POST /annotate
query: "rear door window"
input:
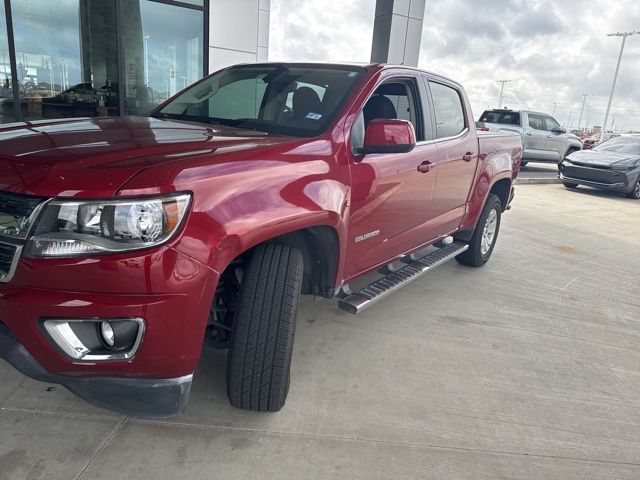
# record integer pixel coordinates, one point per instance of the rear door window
(535, 122)
(450, 118)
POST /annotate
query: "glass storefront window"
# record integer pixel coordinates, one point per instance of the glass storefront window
(6, 93)
(163, 52)
(66, 58)
(68, 61)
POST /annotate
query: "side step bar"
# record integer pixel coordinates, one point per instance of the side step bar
(358, 301)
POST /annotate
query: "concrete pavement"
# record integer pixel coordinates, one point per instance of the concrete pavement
(526, 368)
(538, 174)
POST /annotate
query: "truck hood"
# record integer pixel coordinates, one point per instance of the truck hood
(604, 159)
(94, 157)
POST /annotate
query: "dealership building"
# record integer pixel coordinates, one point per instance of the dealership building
(79, 58)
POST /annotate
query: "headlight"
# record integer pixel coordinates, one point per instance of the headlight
(624, 166)
(72, 228)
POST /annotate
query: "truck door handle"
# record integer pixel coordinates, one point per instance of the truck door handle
(549, 136)
(467, 157)
(529, 134)
(424, 167)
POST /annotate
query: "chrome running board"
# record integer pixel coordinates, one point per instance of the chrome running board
(358, 301)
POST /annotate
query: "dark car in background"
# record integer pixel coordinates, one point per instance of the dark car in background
(613, 165)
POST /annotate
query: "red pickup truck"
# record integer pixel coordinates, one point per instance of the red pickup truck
(126, 243)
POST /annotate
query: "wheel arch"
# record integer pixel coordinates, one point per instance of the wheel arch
(320, 248)
(501, 188)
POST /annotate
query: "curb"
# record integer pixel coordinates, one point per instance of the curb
(537, 181)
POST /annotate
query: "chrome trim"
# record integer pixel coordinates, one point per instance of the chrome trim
(445, 139)
(20, 241)
(376, 291)
(7, 276)
(31, 221)
(66, 340)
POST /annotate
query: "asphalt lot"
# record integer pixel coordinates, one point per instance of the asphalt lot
(526, 368)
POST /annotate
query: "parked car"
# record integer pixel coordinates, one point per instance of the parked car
(127, 242)
(590, 142)
(543, 138)
(613, 165)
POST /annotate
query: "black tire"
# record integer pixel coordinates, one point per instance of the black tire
(474, 257)
(259, 357)
(572, 186)
(635, 193)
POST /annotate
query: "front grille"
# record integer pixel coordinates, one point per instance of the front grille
(18, 205)
(7, 256)
(16, 213)
(598, 175)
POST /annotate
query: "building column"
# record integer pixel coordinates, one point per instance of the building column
(397, 31)
(238, 32)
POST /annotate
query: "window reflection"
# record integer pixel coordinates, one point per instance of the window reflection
(163, 52)
(66, 57)
(6, 94)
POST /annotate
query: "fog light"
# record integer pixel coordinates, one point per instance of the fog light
(107, 333)
(93, 340)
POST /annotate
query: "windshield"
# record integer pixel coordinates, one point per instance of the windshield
(501, 116)
(279, 99)
(621, 145)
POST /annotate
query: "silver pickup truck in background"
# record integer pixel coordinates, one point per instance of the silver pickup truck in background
(543, 138)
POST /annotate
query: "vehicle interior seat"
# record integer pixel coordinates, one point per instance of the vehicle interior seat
(305, 101)
(379, 106)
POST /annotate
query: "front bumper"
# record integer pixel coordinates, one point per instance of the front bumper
(170, 291)
(622, 181)
(144, 398)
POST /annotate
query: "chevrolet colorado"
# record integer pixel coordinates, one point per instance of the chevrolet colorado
(125, 243)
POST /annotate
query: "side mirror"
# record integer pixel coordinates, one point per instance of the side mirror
(388, 136)
(559, 130)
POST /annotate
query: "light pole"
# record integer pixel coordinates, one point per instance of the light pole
(624, 36)
(584, 99)
(501, 82)
(569, 120)
(586, 127)
(555, 104)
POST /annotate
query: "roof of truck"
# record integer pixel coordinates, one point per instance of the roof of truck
(367, 66)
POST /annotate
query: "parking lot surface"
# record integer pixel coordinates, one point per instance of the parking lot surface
(538, 173)
(526, 368)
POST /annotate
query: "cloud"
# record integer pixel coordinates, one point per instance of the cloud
(552, 51)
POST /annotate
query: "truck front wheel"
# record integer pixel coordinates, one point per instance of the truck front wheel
(485, 234)
(259, 358)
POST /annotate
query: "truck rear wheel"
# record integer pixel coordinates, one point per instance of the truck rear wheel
(259, 358)
(485, 234)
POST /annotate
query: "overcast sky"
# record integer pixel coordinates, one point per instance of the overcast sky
(553, 51)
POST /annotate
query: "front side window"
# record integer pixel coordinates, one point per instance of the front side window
(535, 121)
(394, 100)
(278, 99)
(550, 124)
(450, 119)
